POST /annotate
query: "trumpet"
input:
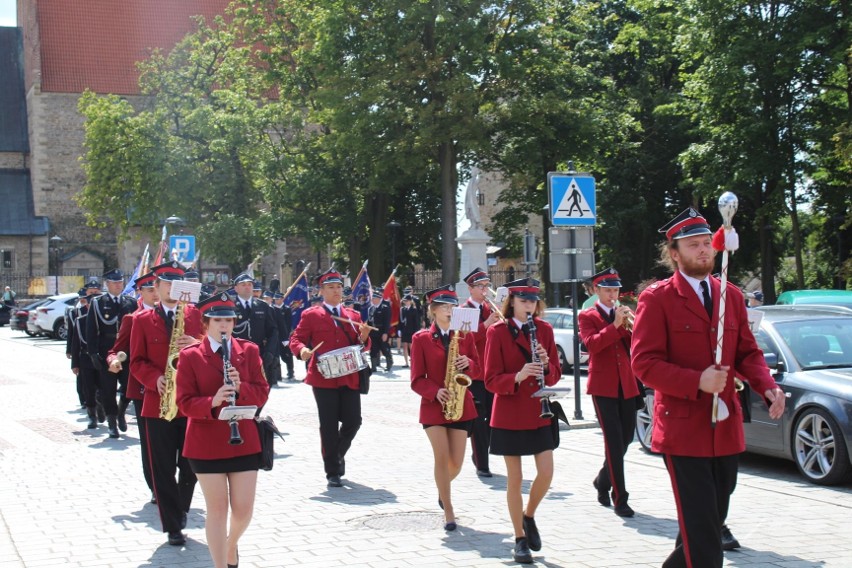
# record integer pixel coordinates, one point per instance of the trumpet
(628, 319)
(494, 307)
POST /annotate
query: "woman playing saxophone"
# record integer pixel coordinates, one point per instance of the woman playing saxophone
(441, 383)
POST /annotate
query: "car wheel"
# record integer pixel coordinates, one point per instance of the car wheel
(563, 361)
(819, 449)
(28, 332)
(645, 423)
(60, 331)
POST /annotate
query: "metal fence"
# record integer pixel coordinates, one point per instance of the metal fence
(40, 284)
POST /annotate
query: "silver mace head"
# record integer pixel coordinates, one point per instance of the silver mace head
(728, 204)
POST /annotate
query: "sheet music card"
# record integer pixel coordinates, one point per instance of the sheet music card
(462, 316)
(184, 291)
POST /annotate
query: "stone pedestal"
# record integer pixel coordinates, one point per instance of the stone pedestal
(473, 246)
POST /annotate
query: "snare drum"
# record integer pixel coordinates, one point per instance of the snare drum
(341, 362)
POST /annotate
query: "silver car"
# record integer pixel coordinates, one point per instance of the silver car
(809, 351)
(562, 320)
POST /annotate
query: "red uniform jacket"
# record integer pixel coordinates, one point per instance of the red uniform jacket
(481, 335)
(609, 360)
(135, 389)
(149, 349)
(514, 406)
(317, 325)
(673, 342)
(429, 368)
(200, 375)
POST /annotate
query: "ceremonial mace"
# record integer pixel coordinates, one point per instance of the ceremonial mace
(727, 207)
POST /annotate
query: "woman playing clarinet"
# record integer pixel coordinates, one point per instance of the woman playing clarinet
(430, 351)
(227, 471)
(517, 427)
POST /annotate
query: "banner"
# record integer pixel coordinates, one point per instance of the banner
(296, 297)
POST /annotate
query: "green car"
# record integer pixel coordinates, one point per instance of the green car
(842, 298)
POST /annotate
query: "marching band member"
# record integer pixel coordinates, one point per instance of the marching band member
(478, 283)
(226, 473)
(256, 322)
(106, 313)
(150, 341)
(674, 343)
(516, 426)
(81, 363)
(338, 400)
(429, 359)
(134, 390)
(612, 385)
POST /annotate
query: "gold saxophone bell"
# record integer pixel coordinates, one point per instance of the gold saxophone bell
(455, 382)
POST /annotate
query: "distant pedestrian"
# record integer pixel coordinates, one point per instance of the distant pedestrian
(9, 296)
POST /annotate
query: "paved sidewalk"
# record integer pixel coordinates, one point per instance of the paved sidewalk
(71, 497)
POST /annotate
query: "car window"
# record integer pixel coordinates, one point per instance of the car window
(553, 319)
(819, 343)
(70, 301)
(765, 343)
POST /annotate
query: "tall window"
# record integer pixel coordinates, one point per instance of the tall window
(6, 258)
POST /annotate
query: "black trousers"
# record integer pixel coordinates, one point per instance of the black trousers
(702, 490)
(617, 417)
(88, 378)
(165, 445)
(107, 388)
(143, 443)
(337, 406)
(287, 357)
(379, 348)
(480, 437)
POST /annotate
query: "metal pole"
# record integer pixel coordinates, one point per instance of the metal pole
(578, 409)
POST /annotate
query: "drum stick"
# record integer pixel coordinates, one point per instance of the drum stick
(317, 347)
(358, 323)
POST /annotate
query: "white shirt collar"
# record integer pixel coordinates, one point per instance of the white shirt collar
(518, 322)
(604, 308)
(474, 303)
(215, 345)
(146, 306)
(332, 308)
(696, 285)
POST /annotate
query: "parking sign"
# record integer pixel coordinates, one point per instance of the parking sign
(183, 246)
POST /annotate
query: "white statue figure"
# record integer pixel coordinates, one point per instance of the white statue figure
(471, 205)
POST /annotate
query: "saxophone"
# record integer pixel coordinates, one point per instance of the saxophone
(455, 382)
(168, 401)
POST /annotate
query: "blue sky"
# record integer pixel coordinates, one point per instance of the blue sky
(7, 12)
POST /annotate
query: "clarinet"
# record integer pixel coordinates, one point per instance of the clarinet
(545, 402)
(235, 440)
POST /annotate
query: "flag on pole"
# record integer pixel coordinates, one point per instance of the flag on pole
(296, 297)
(362, 287)
(129, 289)
(162, 248)
(391, 294)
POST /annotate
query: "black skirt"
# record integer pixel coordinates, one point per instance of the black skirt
(521, 442)
(250, 462)
(466, 425)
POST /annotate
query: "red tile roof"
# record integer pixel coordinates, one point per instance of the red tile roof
(95, 44)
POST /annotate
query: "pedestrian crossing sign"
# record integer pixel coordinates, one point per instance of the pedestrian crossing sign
(572, 199)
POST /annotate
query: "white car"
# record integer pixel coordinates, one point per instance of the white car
(50, 316)
(562, 320)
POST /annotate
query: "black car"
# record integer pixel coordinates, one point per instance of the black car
(5, 313)
(20, 316)
(809, 351)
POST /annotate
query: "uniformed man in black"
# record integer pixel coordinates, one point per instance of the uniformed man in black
(256, 322)
(284, 317)
(105, 314)
(81, 363)
(379, 316)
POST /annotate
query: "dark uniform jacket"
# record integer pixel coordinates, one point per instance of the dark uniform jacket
(201, 373)
(380, 317)
(409, 320)
(317, 325)
(77, 333)
(259, 326)
(149, 350)
(506, 352)
(284, 321)
(103, 324)
(609, 359)
(674, 341)
(429, 371)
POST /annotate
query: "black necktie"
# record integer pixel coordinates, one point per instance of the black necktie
(526, 329)
(445, 339)
(170, 320)
(247, 305)
(334, 311)
(708, 301)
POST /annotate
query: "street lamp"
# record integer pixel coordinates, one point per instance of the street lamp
(55, 245)
(394, 227)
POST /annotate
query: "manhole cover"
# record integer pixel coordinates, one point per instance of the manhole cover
(412, 521)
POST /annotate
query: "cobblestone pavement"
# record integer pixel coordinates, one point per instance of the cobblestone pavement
(72, 497)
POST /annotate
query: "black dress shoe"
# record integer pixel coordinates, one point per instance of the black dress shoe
(623, 510)
(603, 496)
(483, 473)
(112, 427)
(521, 553)
(177, 538)
(237, 565)
(122, 422)
(451, 526)
(334, 481)
(153, 498)
(533, 538)
(729, 542)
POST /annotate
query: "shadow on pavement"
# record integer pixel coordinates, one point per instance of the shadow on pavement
(355, 494)
(487, 544)
(167, 555)
(767, 558)
(148, 515)
(649, 524)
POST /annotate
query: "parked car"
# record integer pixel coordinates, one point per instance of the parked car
(21, 315)
(5, 313)
(50, 317)
(810, 355)
(562, 320)
(828, 297)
